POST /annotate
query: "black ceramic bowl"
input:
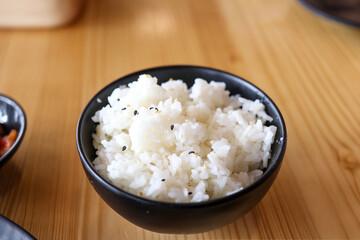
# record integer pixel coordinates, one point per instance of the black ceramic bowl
(12, 116)
(181, 217)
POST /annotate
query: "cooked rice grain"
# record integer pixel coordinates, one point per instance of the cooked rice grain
(170, 143)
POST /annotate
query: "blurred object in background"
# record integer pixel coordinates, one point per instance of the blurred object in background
(38, 13)
(344, 11)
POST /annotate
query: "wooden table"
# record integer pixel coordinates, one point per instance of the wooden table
(309, 66)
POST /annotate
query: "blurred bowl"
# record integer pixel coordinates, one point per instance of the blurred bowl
(168, 217)
(10, 230)
(12, 116)
(344, 11)
(39, 13)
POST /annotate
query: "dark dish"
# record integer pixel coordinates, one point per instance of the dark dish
(12, 118)
(344, 11)
(10, 230)
(168, 217)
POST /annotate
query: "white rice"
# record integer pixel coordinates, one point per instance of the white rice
(175, 144)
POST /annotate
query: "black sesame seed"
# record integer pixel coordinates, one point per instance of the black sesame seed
(154, 108)
(118, 99)
(136, 112)
(172, 127)
(123, 109)
(191, 152)
(124, 148)
(163, 180)
(190, 193)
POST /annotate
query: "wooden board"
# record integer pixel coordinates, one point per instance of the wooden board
(309, 66)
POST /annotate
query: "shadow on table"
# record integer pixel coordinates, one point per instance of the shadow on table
(10, 176)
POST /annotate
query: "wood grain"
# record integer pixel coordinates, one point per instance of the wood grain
(309, 66)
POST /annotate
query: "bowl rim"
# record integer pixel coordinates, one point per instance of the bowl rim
(208, 203)
(16, 229)
(328, 16)
(10, 101)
